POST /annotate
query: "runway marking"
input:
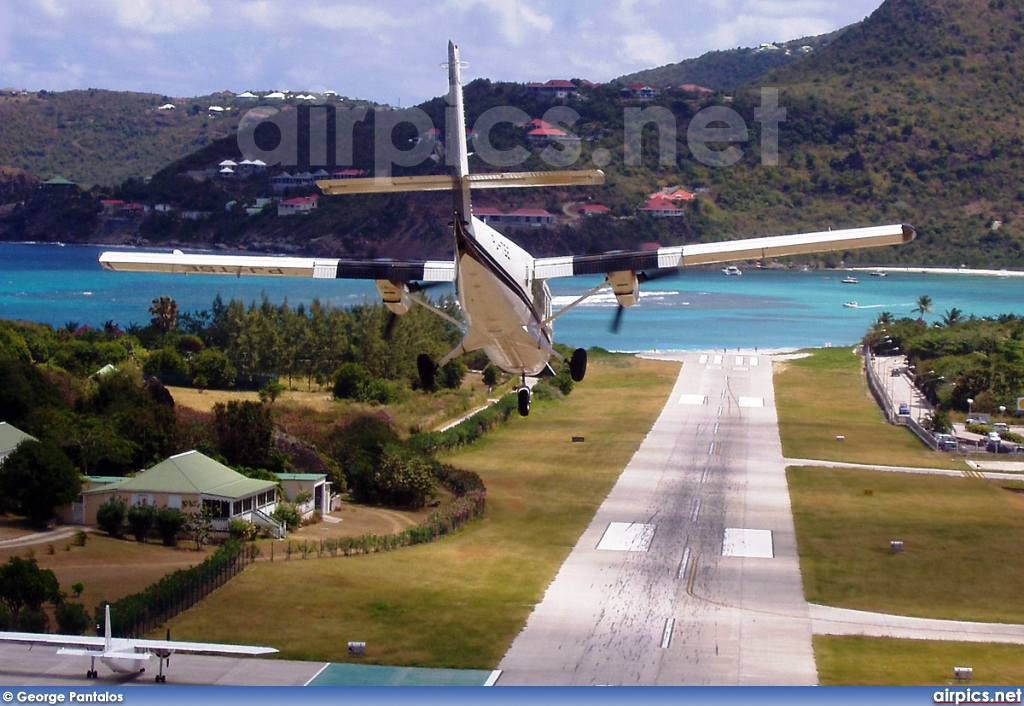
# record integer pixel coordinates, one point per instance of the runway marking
(696, 510)
(749, 543)
(704, 476)
(739, 360)
(751, 402)
(703, 359)
(693, 400)
(715, 430)
(318, 673)
(682, 565)
(717, 360)
(693, 575)
(719, 411)
(741, 370)
(666, 634)
(627, 537)
(753, 361)
(715, 449)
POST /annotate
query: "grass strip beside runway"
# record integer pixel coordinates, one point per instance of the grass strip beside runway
(458, 602)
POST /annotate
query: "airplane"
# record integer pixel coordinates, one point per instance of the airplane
(501, 289)
(123, 655)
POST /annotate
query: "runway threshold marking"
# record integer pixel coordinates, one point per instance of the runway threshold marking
(627, 537)
(693, 400)
(751, 402)
(703, 359)
(696, 510)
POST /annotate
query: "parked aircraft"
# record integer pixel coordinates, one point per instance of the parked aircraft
(124, 655)
(501, 288)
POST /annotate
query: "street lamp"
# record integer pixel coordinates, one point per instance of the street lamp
(970, 403)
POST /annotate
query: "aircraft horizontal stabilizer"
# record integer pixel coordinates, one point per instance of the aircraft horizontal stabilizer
(442, 182)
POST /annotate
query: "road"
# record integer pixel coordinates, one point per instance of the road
(688, 573)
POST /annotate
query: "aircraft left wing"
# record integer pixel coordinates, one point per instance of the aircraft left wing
(271, 266)
(87, 645)
(725, 251)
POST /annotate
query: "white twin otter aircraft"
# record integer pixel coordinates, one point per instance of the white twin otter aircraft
(502, 289)
(124, 655)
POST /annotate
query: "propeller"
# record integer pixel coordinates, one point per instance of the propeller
(641, 278)
(414, 287)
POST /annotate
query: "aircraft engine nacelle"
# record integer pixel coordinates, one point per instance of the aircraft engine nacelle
(395, 295)
(626, 287)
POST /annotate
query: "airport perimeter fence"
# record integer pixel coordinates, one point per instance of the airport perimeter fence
(137, 614)
(881, 394)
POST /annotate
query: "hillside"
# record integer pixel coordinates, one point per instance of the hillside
(729, 69)
(104, 137)
(912, 115)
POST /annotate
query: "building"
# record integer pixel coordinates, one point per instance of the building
(553, 89)
(185, 480)
(298, 205)
(662, 208)
(594, 209)
(10, 437)
(640, 91)
(535, 217)
(316, 484)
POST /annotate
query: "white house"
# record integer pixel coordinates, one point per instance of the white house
(10, 437)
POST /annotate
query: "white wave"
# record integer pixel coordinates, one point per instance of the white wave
(607, 298)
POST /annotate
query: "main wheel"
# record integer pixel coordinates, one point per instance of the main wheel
(524, 401)
(578, 365)
(426, 368)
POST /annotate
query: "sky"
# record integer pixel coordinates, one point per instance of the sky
(388, 51)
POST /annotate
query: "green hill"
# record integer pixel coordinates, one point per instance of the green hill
(729, 69)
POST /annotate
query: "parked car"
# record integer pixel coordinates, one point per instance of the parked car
(1001, 426)
(904, 408)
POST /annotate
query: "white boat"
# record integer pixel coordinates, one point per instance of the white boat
(878, 274)
(851, 305)
(732, 270)
(851, 280)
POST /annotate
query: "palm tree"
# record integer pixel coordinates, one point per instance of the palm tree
(165, 314)
(924, 305)
(884, 319)
(952, 317)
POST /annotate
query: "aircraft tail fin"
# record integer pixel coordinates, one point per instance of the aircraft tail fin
(107, 635)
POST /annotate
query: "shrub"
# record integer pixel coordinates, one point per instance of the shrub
(212, 369)
(81, 537)
(242, 530)
(288, 514)
(110, 515)
(169, 522)
(32, 620)
(141, 519)
(348, 380)
(164, 361)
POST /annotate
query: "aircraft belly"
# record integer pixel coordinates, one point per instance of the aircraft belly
(497, 314)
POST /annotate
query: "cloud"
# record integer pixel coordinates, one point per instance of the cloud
(160, 16)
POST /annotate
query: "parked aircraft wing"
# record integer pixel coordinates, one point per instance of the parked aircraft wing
(270, 266)
(65, 641)
(125, 647)
(725, 251)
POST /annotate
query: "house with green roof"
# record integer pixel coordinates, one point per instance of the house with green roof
(186, 479)
(318, 487)
(10, 437)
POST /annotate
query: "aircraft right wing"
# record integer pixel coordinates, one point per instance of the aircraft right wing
(680, 256)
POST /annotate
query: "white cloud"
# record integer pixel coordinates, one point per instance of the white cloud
(647, 49)
(160, 16)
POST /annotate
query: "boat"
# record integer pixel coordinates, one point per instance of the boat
(851, 280)
(732, 270)
(878, 274)
(851, 305)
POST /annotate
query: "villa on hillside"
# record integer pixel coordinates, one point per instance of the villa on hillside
(553, 89)
(535, 217)
(10, 437)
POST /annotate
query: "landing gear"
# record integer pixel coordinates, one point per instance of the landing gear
(524, 401)
(578, 365)
(91, 674)
(426, 368)
(161, 678)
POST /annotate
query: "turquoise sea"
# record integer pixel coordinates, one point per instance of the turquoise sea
(699, 310)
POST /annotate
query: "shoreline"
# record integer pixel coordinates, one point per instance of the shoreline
(929, 270)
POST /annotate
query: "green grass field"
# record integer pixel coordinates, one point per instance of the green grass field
(872, 661)
(461, 601)
(826, 395)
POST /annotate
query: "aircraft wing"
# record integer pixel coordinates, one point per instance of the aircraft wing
(199, 647)
(68, 641)
(725, 251)
(271, 266)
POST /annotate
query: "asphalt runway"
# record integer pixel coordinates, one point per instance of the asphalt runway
(688, 573)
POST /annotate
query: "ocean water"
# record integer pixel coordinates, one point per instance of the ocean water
(698, 310)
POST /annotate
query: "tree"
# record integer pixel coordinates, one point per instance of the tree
(212, 368)
(199, 524)
(952, 317)
(36, 479)
(270, 392)
(924, 305)
(245, 433)
(165, 315)
(403, 480)
(349, 380)
(110, 515)
(72, 618)
(24, 585)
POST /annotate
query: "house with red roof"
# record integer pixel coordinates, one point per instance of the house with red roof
(594, 209)
(554, 89)
(298, 205)
(662, 208)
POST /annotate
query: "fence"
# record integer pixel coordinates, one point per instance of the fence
(175, 593)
